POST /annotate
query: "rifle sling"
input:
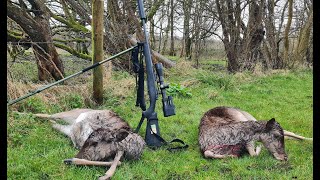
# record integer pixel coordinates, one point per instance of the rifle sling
(171, 149)
(164, 142)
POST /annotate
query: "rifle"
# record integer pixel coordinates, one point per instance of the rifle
(152, 137)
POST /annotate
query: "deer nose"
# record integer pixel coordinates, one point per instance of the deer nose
(285, 158)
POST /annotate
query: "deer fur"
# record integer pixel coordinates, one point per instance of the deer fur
(100, 135)
(230, 132)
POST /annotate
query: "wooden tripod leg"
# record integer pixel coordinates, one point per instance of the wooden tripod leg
(77, 161)
(113, 167)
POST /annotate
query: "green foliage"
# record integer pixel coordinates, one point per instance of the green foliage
(36, 150)
(219, 80)
(177, 89)
(110, 100)
(19, 127)
(32, 104)
(72, 101)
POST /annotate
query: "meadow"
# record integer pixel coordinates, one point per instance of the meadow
(36, 150)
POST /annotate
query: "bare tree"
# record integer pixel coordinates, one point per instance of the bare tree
(302, 47)
(197, 28)
(172, 51)
(166, 31)
(286, 32)
(242, 42)
(33, 17)
(186, 48)
(272, 43)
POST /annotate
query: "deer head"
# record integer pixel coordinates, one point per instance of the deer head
(273, 140)
(101, 144)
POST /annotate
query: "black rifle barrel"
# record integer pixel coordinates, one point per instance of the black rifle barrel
(150, 74)
(152, 130)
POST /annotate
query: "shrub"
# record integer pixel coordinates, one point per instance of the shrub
(177, 89)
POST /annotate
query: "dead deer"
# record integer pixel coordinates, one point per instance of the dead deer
(100, 135)
(229, 132)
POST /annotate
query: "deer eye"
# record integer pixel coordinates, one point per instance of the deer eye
(278, 136)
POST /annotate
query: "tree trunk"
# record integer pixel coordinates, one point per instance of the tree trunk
(165, 40)
(286, 33)
(274, 61)
(166, 36)
(97, 49)
(253, 39)
(160, 38)
(230, 47)
(38, 29)
(242, 49)
(300, 51)
(186, 28)
(197, 29)
(152, 36)
(172, 51)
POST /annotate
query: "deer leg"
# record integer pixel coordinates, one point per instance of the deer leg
(43, 116)
(65, 129)
(289, 134)
(252, 150)
(113, 167)
(77, 161)
(258, 149)
(248, 116)
(210, 154)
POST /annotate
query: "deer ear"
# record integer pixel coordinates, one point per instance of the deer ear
(270, 124)
(121, 136)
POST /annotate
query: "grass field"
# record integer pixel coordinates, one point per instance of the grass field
(36, 151)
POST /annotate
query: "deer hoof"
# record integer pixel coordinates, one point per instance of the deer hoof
(104, 178)
(258, 150)
(68, 161)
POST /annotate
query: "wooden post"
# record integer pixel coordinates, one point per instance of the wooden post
(97, 49)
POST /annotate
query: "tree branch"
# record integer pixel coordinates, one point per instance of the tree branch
(73, 51)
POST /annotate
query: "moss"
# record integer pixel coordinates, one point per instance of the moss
(73, 51)
(72, 24)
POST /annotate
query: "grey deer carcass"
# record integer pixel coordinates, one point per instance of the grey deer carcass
(100, 135)
(230, 132)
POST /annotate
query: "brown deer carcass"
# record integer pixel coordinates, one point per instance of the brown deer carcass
(100, 135)
(229, 132)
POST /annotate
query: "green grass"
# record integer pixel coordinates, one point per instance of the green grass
(36, 151)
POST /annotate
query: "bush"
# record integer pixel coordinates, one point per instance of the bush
(177, 89)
